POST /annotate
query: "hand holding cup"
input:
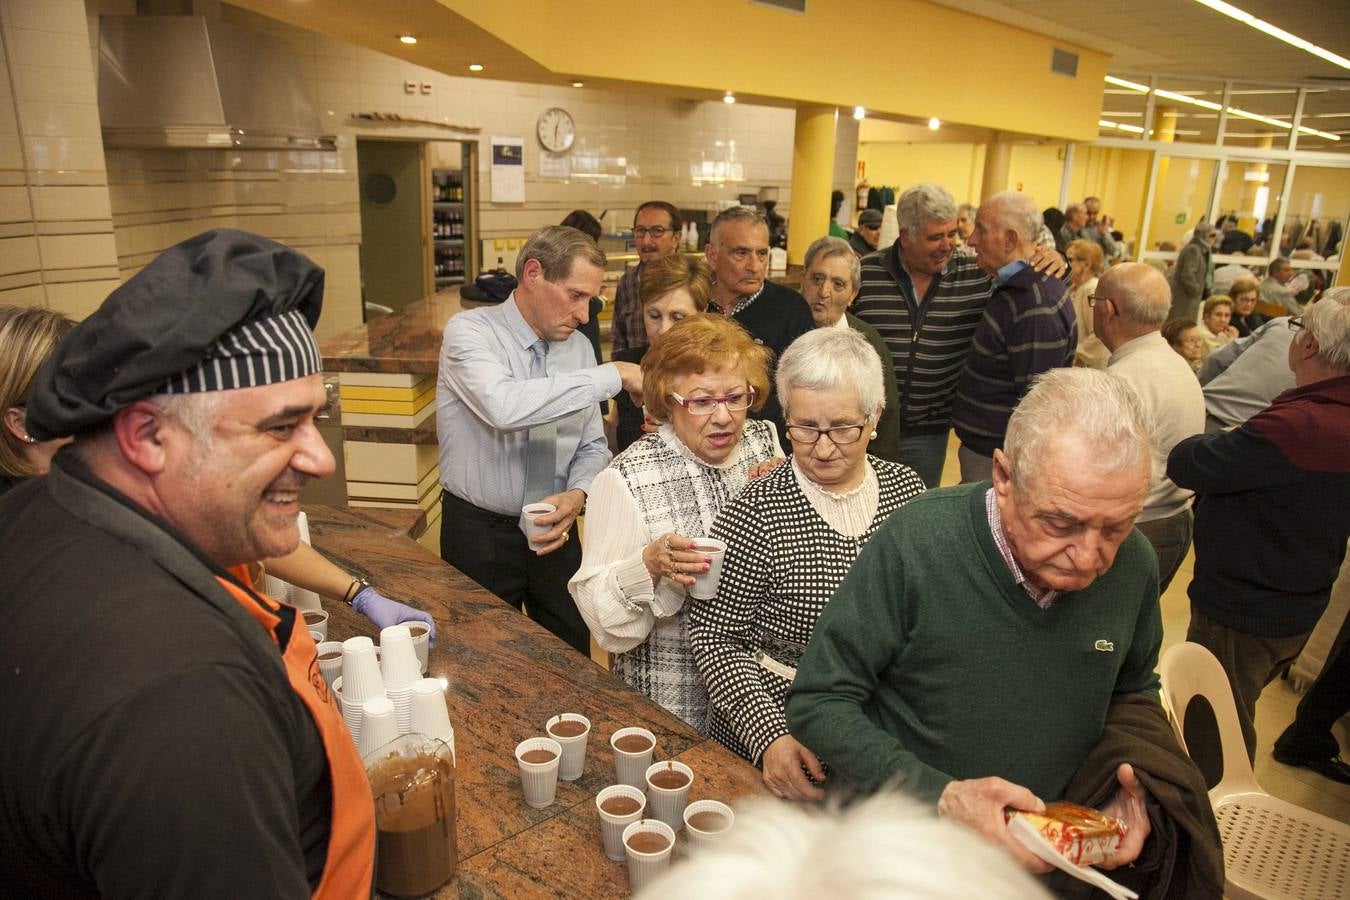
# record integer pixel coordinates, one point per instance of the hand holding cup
(675, 557)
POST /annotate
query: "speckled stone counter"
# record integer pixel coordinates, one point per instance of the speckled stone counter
(407, 342)
(506, 677)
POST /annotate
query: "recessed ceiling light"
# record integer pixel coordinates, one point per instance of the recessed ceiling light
(935, 123)
(729, 98)
(408, 38)
(1262, 25)
(475, 67)
(859, 113)
(578, 84)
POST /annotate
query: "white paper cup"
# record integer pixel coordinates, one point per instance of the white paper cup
(398, 660)
(430, 714)
(361, 679)
(539, 780)
(631, 768)
(667, 804)
(529, 512)
(402, 700)
(646, 867)
(378, 725)
(330, 669)
(705, 583)
(316, 620)
(612, 826)
(421, 641)
(573, 748)
(700, 838)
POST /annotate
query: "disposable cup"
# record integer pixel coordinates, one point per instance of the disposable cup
(361, 679)
(378, 725)
(430, 715)
(316, 636)
(612, 826)
(402, 700)
(573, 748)
(644, 867)
(421, 641)
(539, 780)
(531, 511)
(316, 620)
(667, 804)
(331, 668)
(398, 659)
(631, 768)
(705, 583)
(699, 838)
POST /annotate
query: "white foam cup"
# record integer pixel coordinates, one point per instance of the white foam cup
(378, 725)
(539, 780)
(612, 826)
(705, 583)
(699, 838)
(573, 748)
(631, 768)
(531, 511)
(667, 804)
(646, 867)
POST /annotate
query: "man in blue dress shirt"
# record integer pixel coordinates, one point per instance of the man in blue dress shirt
(518, 423)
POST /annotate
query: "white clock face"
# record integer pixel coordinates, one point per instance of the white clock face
(556, 130)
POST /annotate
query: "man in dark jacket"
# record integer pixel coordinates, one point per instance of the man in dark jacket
(775, 316)
(868, 234)
(1273, 514)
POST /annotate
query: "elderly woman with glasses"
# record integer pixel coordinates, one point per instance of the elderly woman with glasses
(645, 511)
(791, 538)
(1085, 265)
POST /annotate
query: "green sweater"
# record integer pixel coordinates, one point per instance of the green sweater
(931, 664)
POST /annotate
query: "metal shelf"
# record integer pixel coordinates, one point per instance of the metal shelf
(451, 241)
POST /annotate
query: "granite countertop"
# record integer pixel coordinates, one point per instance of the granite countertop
(506, 676)
(407, 342)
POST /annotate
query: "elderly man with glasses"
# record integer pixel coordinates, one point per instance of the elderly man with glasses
(1273, 517)
(656, 233)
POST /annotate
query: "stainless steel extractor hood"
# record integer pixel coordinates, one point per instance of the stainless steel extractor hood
(192, 82)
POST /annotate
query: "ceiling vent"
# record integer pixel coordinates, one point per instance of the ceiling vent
(1063, 62)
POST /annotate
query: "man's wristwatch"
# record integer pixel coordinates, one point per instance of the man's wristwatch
(357, 586)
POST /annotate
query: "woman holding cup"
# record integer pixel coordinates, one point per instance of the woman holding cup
(791, 537)
(647, 511)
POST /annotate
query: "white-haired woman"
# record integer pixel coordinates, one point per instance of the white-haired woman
(791, 537)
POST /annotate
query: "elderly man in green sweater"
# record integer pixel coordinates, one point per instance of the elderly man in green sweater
(972, 652)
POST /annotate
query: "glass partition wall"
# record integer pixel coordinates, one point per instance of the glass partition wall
(1275, 159)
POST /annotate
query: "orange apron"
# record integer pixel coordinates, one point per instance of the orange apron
(349, 870)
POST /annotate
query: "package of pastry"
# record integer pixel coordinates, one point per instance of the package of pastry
(1083, 836)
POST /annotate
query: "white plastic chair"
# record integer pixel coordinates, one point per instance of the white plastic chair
(1273, 850)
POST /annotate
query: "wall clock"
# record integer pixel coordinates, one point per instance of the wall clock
(556, 130)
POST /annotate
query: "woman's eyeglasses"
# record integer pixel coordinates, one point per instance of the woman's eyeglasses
(706, 406)
(839, 434)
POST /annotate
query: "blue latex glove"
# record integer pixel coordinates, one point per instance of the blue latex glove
(385, 612)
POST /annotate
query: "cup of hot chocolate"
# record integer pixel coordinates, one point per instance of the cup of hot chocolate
(316, 620)
(531, 511)
(705, 583)
(538, 759)
(633, 749)
(619, 806)
(421, 641)
(330, 661)
(668, 786)
(647, 843)
(572, 731)
(706, 821)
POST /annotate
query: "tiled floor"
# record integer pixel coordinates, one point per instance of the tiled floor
(1274, 711)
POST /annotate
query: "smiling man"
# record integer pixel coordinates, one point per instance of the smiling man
(163, 714)
(981, 680)
(518, 423)
(656, 233)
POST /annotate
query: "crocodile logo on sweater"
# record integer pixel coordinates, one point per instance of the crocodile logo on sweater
(1104, 645)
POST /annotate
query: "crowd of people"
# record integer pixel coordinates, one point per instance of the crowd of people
(870, 630)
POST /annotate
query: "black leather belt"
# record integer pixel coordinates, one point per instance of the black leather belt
(467, 510)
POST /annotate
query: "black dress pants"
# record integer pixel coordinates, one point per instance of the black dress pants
(1309, 738)
(491, 549)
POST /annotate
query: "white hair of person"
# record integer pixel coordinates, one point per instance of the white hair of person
(195, 412)
(1139, 292)
(1328, 320)
(1074, 208)
(921, 204)
(1091, 407)
(832, 359)
(967, 209)
(886, 846)
(829, 247)
(735, 214)
(1017, 211)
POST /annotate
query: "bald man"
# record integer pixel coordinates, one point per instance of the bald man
(1129, 308)
(1028, 328)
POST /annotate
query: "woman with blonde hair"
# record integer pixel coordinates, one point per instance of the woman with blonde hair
(1085, 264)
(670, 289)
(27, 337)
(647, 510)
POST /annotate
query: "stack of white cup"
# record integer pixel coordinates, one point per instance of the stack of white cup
(361, 681)
(430, 716)
(378, 725)
(401, 670)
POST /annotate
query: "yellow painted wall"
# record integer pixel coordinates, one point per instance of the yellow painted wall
(956, 167)
(719, 45)
(1036, 170)
(1118, 177)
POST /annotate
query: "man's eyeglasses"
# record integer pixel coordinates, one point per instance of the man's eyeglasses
(1295, 323)
(658, 232)
(839, 434)
(706, 406)
(1094, 299)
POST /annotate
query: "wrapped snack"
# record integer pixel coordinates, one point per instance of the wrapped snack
(1083, 836)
